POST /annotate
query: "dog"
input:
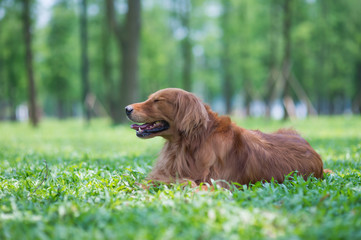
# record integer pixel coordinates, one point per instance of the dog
(200, 145)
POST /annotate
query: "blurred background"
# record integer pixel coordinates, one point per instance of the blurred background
(280, 59)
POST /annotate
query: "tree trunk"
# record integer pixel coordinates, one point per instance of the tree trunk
(227, 83)
(225, 59)
(286, 67)
(322, 56)
(302, 95)
(356, 102)
(227, 91)
(12, 100)
(247, 93)
(186, 47)
(128, 45)
(111, 96)
(272, 60)
(60, 109)
(29, 64)
(84, 58)
(187, 64)
(332, 106)
(2, 82)
(244, 55)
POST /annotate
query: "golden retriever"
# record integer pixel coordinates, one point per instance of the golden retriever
(200, 145)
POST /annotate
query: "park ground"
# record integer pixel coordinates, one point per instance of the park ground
(65, 180)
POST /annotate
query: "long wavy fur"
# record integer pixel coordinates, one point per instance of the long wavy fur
(201, 146)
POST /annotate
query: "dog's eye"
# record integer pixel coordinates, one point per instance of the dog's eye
(156, 100)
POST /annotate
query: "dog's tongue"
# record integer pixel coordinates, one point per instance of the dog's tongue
(143, 126)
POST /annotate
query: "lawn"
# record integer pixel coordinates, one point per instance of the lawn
(68, 181)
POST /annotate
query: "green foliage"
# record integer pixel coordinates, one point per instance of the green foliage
(91, 188)
(159, 68)
(12, 69)
(61, 72)
(326, 47)
(325, 50)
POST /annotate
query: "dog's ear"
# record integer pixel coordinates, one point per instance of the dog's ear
(191, 113)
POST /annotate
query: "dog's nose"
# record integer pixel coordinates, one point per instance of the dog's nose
(128, 110)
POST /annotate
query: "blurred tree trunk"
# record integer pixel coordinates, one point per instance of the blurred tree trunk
(272, 59)
(84, 58)
(225, 59)
(227, 80)
(2, 83)
(247, 93)
(61, 109)
(111, 96)
(356, 101)
(357, 82)
(130, 51)
(245, 57)
(186, 46)
(33, 113)
(181, 11)
(286, 65)
(320, 76)
(331, 106)
(127, 36)
(12, 82)
(302, 95)
(11, 98)
(322, 57)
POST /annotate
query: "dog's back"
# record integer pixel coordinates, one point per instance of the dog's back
(278, 154)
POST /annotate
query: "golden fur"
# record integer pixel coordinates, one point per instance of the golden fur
(200, 145)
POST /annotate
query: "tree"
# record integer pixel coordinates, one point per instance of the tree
(161, 60)
(84, 58)
(184, 13)
(227, 76)
(286, 62)
(111, 98)
(127, 38)
(33, 113)
(272, 63)
(12, 74)
(246, 56)
(2, 80)
(236, 51)
(357, 82)
(61, 68)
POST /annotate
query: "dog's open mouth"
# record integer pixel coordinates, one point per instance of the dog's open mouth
(147, 129)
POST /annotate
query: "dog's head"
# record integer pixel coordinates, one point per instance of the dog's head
(168, 112)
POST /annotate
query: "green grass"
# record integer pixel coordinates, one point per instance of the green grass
(90, 189)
